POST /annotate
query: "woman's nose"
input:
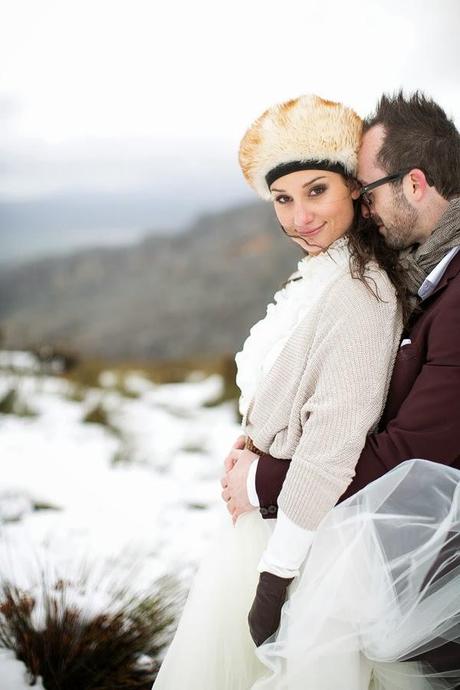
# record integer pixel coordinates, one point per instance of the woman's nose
(302, 215)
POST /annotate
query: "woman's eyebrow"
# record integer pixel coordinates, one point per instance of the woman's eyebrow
(320, 177)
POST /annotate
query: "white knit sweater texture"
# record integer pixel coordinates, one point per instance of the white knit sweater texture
(321, 363)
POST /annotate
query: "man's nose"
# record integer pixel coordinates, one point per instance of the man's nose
(365, 210)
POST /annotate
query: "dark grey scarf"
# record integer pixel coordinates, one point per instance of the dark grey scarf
(421, 260)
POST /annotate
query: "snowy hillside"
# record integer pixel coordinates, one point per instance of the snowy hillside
(139, 491)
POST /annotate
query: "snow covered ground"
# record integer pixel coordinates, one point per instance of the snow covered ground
(141, 495)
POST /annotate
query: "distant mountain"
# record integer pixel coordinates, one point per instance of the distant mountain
(60, 223)
(175, 295)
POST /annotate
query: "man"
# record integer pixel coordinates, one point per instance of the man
(409, 168)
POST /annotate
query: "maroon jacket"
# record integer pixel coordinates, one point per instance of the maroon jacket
(422, 413)
(421, 417)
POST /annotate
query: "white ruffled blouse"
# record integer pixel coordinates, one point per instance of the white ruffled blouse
(291, 305)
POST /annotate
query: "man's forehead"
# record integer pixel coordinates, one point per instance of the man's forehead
(374, 137)
(367, 156)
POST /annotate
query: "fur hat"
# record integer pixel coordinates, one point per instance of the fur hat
(307, 132)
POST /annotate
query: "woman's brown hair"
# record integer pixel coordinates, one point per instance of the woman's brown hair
(367, 244)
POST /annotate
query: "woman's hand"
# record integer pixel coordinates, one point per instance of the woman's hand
(230, 460)
(265, 614)
(234, 482)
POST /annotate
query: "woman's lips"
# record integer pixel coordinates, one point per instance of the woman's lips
(309, 233)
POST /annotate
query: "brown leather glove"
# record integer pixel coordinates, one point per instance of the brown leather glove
(265, 614)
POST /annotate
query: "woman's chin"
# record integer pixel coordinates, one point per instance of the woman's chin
(308, 247)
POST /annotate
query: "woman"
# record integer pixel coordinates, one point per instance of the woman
(313, 375)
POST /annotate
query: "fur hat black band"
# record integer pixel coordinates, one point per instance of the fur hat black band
(294, 166)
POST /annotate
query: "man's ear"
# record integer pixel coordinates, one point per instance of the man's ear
(415, 184)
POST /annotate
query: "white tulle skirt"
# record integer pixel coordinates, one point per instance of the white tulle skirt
(381, 585)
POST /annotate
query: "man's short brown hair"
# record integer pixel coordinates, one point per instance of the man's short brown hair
(418, 134)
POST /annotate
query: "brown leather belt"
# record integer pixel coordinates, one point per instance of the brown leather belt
(249, 445)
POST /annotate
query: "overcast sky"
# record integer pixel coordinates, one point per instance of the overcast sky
(123, 95)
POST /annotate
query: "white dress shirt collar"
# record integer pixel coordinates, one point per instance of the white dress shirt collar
(431, 282)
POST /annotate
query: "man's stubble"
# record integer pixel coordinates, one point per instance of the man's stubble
(399, 228)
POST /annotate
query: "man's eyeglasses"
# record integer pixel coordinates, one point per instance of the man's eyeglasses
(364, 193)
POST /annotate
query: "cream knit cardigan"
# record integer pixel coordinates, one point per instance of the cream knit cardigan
(325, 389)
(290, 305)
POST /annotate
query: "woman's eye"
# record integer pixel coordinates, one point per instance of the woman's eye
(282, 199)
(319, 189)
